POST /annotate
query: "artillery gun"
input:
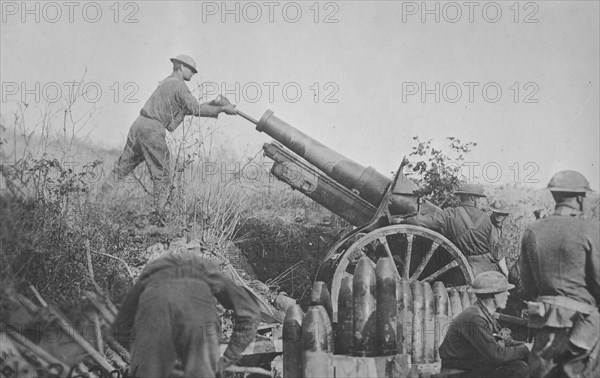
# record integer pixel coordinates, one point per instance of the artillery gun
(428, 273)
(368, 200)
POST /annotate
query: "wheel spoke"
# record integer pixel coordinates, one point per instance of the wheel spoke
(409, 240)
(441, 271)
(348, 251)
(383, 240)
(424, 262)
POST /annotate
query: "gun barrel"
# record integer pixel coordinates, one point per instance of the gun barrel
(369, 183)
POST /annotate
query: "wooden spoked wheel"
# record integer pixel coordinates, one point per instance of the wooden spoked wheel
(419, 254)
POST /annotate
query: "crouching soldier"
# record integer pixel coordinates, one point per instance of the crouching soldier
(466, 226)
(476, 343)
(560, 275)
(170, 313)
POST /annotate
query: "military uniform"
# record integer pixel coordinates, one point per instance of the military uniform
(170, 312)
(473, 343)
(560, 267)
(164, 110)
(467, 227)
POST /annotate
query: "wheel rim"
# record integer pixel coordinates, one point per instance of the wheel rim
(419, 254)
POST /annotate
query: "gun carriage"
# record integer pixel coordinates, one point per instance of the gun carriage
(431, 274)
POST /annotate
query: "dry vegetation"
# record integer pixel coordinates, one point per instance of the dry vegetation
(56, 235)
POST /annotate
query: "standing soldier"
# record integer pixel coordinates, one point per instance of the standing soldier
(499, 211)
(466, 226)
(164, 110)
(560, 272)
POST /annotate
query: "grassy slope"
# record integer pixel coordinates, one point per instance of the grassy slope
(47, 231)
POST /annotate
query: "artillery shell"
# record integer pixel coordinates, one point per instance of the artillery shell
(455, 305)
(343, 332)
(320, 296)
(317, 334)
(429, 323)
(405, 316)
(292, 342)
(442, 315)
(364, 317)
(317, 343)
(387, 306)
(464, 299)
(418, 322)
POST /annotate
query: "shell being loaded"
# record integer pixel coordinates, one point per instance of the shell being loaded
(422, 317)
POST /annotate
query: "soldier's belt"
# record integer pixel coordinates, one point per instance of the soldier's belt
(567, 302)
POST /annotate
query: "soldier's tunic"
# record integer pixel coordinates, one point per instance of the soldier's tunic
(164, 110)
(472, 343)
(560, 266)
(467, 227)
(170, 312)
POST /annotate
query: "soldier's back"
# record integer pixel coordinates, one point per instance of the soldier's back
(562, 247)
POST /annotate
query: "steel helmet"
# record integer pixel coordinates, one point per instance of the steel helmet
(472, 189)
(569, 181)
(489, 283)
(187, 60)
(500, 206)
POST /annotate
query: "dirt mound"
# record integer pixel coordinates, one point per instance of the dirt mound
(285, 254)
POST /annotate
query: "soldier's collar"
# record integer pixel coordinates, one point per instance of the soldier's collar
(175, 75)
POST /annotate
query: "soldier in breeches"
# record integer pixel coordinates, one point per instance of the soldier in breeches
(164, 110)
(170, 313)
(560, 275)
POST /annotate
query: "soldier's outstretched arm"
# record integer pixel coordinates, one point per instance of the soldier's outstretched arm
(210, 109)
(435, 222)
(245, 311)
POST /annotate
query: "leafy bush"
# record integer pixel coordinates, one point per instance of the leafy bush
(438, 173)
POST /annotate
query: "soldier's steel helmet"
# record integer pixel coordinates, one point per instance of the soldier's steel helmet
(500, 206)
(569, 181)
(472, 189)
(187, 60)
(489, 283)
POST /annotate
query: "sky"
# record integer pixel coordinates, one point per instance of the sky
(363, 77)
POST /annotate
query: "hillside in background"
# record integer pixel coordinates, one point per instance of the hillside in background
(60, 237)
